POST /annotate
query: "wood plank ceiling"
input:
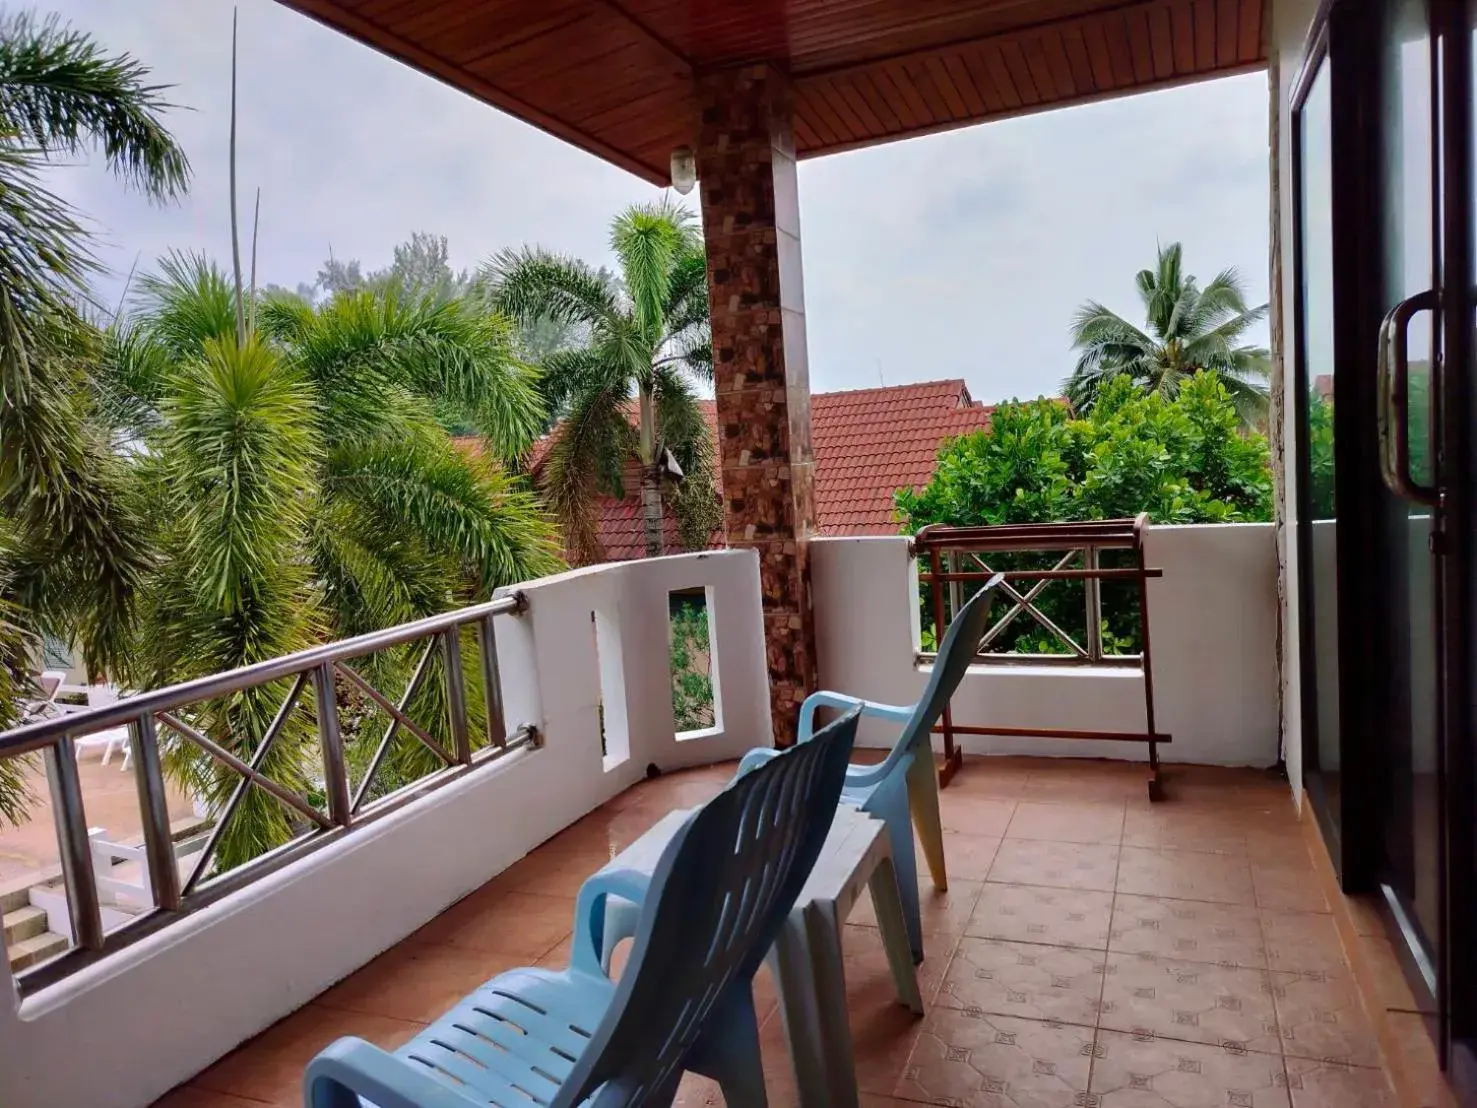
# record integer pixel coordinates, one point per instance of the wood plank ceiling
(615, 76)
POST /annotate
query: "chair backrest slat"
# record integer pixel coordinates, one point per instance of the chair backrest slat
(715, 904)
(956, 652)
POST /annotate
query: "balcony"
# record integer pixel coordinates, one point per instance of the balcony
(1090, 941)
(1076, 953)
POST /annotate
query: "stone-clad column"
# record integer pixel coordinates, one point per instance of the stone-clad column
(751, 221)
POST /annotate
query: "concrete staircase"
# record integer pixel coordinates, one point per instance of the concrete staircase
(26, 939)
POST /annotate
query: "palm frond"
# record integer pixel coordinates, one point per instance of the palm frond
(648, 240)
(532, 284)
(595, 437)
(188, 304)
(457, 504)
(45, 261)
(61, 93)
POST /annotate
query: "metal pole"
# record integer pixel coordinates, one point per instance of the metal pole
(456, 694)
(153, 804)
(1093, 589)
(76, 849)
(335, 777)
(492, 682)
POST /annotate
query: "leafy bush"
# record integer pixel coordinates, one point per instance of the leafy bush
(1184, 459)
(692, 680)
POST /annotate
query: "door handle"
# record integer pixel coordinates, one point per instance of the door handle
(1393, 384)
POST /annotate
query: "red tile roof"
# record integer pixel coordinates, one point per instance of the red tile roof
(868, 444)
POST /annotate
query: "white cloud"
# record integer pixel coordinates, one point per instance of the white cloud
(962, 254)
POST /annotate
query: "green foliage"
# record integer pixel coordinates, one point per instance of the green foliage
(1184, 459)
(1320, 457)
(1189, 329)
(692, 682)
(71, 561)
(642, 342)
(300, 488)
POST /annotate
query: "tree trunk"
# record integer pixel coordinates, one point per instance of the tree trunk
(651, 510)
(651, 488)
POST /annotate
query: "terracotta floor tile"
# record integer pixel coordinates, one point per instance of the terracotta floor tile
(1067, 823)
(1367, 913)
(270, 1066)
(967, 857)
(1415, 1062)
(558, 957)
(550, 873)
(1023, 913)
(1136, 1072)
(1321, 1016)
(417, 982)
(986, 776)
(1194, 1001)
(1276, 843)
(1025, 980)
(976, 815)
(988, 1061)
(1196, 931)
(524, 925)
(1391, 986)
(476, 903)
(1205, 833)
(942, 913)
(697, 1092)
(1103, 784)
(1287, 887)
(1056, 865)
(869, 978)
(882, 1039)
(187, 1097)
(1185, 875)
(1328, 1085)
(1302, 941)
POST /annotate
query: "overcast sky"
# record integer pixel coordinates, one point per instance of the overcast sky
(961, 254)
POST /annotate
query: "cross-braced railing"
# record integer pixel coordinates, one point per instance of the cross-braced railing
(951, 559)
(163, 717)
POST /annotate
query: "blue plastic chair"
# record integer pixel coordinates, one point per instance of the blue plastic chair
(713, 907)
(906, 778)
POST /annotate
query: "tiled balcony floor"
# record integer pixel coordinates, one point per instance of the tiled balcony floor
(1093, 951)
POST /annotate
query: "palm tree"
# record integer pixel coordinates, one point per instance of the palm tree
(299, 488)
(647, 341)
(70, 550)
(1189, 329)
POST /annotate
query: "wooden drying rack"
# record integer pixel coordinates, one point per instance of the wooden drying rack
(943, 551)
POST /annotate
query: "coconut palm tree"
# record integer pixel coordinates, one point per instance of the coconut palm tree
(298, 488)
(646, 346)
(1189, 329)
(70, 549)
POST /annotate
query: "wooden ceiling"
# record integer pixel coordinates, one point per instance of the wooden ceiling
(615, 76)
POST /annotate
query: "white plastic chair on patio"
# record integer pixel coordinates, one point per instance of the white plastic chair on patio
(114, 738)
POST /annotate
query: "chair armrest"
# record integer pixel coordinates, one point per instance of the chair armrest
(754, 759)
(861, 777)
(897, 713)
(587, 947)
(377, 1076)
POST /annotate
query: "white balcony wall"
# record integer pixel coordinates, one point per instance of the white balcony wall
(127, 1029)
(1213, 625)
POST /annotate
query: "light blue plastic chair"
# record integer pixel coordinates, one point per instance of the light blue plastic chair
(904, 780)
(713, 907)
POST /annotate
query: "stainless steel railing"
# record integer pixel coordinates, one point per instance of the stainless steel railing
(168, 708)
